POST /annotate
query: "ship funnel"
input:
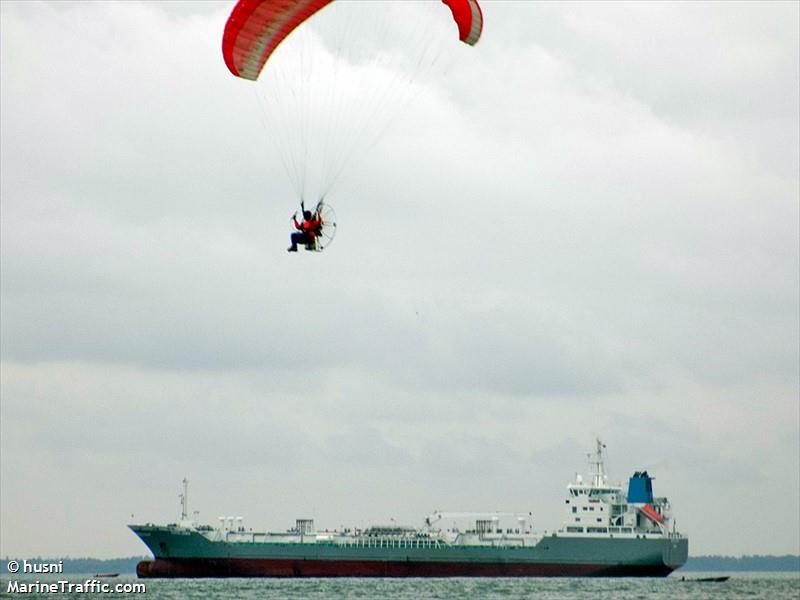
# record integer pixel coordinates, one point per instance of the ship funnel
(640, 488)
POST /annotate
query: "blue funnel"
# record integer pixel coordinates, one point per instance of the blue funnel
(640, 488)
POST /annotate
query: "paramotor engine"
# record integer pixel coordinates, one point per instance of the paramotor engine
(327, 227)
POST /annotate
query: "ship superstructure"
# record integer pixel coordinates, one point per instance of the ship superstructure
(599, 508)
(608, 532)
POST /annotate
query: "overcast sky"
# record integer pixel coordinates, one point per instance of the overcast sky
(587, 226)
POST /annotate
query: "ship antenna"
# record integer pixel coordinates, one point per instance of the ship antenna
(185, 500)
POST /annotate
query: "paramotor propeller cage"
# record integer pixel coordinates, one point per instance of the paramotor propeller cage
(327, 229)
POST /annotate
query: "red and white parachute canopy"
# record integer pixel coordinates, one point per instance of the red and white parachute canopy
(256, 27)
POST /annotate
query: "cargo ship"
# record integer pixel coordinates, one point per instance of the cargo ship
(609, 532)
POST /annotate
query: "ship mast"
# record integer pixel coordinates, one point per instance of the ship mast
(185, 500)
(596, 467)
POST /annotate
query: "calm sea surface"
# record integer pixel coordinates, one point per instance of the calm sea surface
(740, 585)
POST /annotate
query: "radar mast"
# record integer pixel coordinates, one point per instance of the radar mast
(596, 467)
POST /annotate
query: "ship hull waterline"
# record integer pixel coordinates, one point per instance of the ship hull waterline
(274, 567)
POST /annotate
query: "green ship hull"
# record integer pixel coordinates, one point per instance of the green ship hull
(180, 553)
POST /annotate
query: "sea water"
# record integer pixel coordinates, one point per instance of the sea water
(676, 586)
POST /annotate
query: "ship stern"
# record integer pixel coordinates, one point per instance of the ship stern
(676, 552)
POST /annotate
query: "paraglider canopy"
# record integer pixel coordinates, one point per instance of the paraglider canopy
(256, 27)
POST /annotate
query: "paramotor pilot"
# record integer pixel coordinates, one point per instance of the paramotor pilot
(307, 230)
